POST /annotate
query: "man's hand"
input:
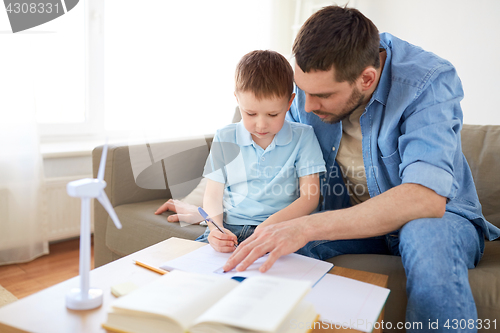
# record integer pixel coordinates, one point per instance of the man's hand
(222, 242)
(277, 239)
(185, 212)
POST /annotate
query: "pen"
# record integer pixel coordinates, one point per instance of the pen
(209, 220)
(154, 269)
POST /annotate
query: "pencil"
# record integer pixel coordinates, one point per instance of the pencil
(154, 269)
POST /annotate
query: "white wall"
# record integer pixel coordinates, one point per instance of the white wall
(465, 32)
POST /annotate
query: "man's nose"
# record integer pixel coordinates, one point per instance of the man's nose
(311, 104)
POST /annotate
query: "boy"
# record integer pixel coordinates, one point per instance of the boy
(262, 170)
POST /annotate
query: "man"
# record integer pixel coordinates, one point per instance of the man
(388, 118)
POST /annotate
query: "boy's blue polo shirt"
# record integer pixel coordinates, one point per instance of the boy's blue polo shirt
(261, 182)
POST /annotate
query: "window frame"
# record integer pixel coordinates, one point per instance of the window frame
(93, 125)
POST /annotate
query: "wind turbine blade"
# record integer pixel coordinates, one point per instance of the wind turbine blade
(103, 199)
(102, 165)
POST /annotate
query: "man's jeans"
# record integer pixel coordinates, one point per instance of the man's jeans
(436, 254)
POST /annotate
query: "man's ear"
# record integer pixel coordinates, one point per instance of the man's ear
(368, 78)
(291, 101)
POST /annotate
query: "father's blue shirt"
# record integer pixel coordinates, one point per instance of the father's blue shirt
(411, 133)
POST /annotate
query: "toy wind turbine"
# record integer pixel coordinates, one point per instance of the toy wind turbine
(85, 298)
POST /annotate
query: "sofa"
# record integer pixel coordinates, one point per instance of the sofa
(142, 176)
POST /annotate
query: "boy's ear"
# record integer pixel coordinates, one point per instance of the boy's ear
(236, 97)
(291, 101)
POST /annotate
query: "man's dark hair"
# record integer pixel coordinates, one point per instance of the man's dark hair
(267, 74)
(340, 37)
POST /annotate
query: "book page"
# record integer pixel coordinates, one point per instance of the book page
(178, 295)
(259, 303)
(301, 319)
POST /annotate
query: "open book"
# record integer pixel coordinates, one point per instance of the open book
(189, 302)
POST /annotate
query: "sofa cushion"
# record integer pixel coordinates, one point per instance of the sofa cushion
(196, 196)
(485, 283)
(481, 147)
(142, 228)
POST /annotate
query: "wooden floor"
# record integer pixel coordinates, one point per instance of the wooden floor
(61, 264)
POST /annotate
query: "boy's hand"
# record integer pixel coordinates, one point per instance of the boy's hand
(222, 242)
(185, 212)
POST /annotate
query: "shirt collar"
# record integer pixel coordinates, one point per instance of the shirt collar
(384, 84)
(244, 138)
(284, 136)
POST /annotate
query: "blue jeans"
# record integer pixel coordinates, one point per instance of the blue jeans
(436, 255)
(241, 231)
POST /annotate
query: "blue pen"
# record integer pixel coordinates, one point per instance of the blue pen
(209, 220)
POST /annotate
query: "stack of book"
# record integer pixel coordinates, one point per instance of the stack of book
(192, 302)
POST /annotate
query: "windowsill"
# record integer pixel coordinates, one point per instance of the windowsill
(67, 149)
(61, 148)
(73, 148)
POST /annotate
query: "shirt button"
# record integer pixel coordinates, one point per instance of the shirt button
(333, 148)
(263, 158)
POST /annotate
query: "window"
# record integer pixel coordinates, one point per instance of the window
(120, 66)
(169, 65)
(54, 54)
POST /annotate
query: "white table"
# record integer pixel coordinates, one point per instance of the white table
(46, 312)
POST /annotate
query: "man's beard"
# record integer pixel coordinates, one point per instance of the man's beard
(354, 102)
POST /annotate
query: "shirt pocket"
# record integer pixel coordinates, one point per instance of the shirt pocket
(390, 168)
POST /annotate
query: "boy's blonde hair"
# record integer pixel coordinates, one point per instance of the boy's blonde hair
(267, 74)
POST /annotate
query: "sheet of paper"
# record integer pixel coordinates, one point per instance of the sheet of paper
(347, 302)
(208, 261)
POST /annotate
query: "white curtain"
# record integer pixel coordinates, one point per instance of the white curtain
(22, 234)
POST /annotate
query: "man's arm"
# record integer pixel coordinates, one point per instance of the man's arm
(305, 204)
(377, 216)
